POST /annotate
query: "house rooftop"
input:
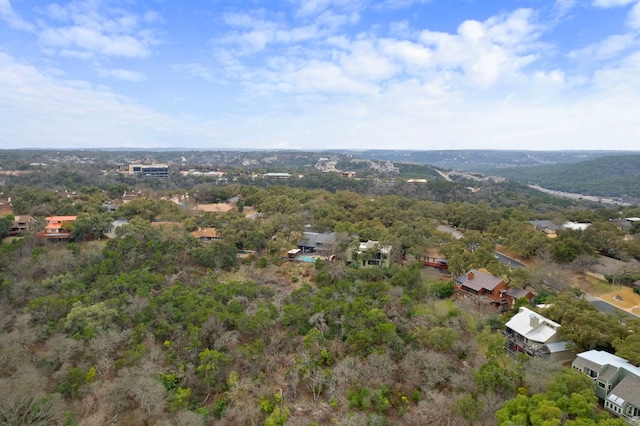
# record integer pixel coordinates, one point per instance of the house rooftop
(314, 239)
(557, 347)
(61, 218)
(542, 224)
(576, 226)
(532, 325)
(478, 280)
(370, 245)
(205, 233)
(517, 293)
(627, 389)
(603, 358)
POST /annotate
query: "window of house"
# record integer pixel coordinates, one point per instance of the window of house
(601, 384)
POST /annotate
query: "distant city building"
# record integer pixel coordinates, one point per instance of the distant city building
(149, 170)
(278, 175)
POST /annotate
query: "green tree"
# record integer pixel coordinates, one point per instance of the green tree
(90, 225)
(5, 226)
(583, 325)
(473, 251)
(210, 365)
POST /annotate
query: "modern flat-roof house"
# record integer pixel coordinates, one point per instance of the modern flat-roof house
(55, 228)
(312, 242)
(617, 382)
(149, 170)
(531, 333)
(370, 253)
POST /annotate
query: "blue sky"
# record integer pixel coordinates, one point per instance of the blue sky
(316, 74)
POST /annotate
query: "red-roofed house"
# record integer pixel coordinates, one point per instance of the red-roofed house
(55, 228)
(484, 286)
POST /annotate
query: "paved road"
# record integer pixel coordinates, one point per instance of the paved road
(450, 230)
(606, 307)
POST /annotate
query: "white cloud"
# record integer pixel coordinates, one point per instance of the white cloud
(122, 74)
(88, 28)
(398, 4)
(479, 55)
(92, 42)
(611, 3)
(321, 81)
(195, 69)
(633, 20)
(9, 15)
(482, 52)
(563, 7)
(605, 49)
(308, 8)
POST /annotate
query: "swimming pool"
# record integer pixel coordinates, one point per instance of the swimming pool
(307, 259)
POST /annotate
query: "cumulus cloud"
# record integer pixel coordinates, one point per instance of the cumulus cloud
(88, 29)
(316, 75)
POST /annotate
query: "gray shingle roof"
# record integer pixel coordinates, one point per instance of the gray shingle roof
(629, 389)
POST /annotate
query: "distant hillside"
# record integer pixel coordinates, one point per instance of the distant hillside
(614, 176)
(482, 160)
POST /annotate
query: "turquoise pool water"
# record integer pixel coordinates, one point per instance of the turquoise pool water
(307, 259)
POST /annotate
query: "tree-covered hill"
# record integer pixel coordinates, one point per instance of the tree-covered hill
(481, 160)
(613, 176)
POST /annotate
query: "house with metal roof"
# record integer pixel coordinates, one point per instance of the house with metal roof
(617, 382)
(546, 226)
(531, 333)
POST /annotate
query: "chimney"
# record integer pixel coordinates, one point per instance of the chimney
(470, 275)
(534, 320)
